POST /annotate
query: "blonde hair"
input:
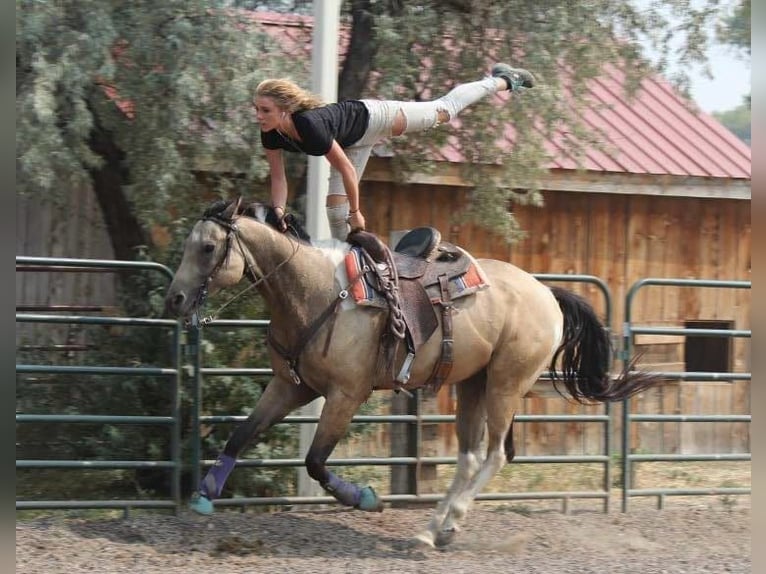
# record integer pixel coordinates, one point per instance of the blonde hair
(288, 95)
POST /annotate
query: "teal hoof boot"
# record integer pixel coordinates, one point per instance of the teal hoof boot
(201, 505)
(369, 501)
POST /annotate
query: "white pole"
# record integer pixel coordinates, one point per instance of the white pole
(324, 83)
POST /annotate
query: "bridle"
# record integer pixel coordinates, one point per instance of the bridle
(232, 235)
(290, 356)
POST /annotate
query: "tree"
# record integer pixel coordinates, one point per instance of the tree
(127, 97)
(737, 120)
(734, 27)
(130, 97)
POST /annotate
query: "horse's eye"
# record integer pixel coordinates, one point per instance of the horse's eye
(208, 248)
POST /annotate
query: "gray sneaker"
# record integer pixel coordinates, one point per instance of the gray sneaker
(516, 78)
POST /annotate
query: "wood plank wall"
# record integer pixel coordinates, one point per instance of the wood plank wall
(71, 228)
(621, 239)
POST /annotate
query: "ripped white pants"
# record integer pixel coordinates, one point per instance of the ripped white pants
(419, 116)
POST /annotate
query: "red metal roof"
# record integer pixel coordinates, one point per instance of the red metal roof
(657, 132)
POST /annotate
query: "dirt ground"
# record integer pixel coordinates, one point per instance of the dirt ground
(694, 536)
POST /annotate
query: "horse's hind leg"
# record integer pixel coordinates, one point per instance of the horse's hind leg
(503, 395)
(469, 427)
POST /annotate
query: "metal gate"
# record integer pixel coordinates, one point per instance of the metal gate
(628, 456)
(172, 421)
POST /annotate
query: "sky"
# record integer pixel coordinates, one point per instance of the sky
(730, 69)
(730, 82)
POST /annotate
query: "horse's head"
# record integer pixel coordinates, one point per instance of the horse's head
(212, 260)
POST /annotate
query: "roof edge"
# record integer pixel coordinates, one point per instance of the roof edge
(581, 181)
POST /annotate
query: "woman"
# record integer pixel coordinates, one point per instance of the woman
(293, 119)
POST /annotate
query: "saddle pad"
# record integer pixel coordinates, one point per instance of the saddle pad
(468, 283)
(362, 292)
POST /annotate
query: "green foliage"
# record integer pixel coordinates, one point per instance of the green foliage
(737, 120)
(565, 44)
(183, 73)
(170, 82)
(734, 27)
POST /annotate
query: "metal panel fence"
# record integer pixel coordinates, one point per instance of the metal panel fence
(198, 372)
(414, 458)
(629, 457)
(173, 374)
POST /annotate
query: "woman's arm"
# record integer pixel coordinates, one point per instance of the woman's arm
(278, 182)
(339, 160)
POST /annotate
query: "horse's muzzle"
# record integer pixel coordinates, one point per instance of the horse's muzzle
(175, 304)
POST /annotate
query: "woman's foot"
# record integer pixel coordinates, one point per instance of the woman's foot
(515, 78)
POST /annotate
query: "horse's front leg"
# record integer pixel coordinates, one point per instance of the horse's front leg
(336, 415)
(278, 400)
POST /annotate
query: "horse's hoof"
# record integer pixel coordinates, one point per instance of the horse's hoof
(369, 501)
(422, 540)
(201, 505)
(445, 537)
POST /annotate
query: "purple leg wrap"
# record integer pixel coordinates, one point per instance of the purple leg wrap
(347, 493)
(212, 484)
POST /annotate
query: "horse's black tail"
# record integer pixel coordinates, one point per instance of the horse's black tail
(585, 355)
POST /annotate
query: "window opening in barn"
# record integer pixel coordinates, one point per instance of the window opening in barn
(708, 353)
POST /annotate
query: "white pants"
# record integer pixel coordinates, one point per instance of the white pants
(419, 116)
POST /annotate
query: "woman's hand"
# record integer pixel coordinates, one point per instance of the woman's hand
(279, 211)
(356, 220)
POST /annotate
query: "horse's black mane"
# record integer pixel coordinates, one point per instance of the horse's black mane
(217, 208)
(294, 227)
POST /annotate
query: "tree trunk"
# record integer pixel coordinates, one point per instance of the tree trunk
(122, 224)
(360, 54)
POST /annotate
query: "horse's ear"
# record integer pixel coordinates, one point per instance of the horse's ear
(232, 209)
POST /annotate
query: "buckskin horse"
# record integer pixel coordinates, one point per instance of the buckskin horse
(495, 342)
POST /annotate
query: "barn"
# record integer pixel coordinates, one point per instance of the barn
(671, 199)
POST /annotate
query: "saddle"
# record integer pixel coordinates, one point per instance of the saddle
(419, 275)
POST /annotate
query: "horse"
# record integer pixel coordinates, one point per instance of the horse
(322, 344)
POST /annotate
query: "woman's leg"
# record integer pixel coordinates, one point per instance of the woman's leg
(337, 202)
(420, 116)
(393, 118)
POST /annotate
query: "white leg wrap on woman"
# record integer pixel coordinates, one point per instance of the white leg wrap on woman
(336, 217)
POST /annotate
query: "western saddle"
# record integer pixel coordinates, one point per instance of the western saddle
(420, 263)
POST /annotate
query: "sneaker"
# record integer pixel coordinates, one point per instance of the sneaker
(516, 78)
